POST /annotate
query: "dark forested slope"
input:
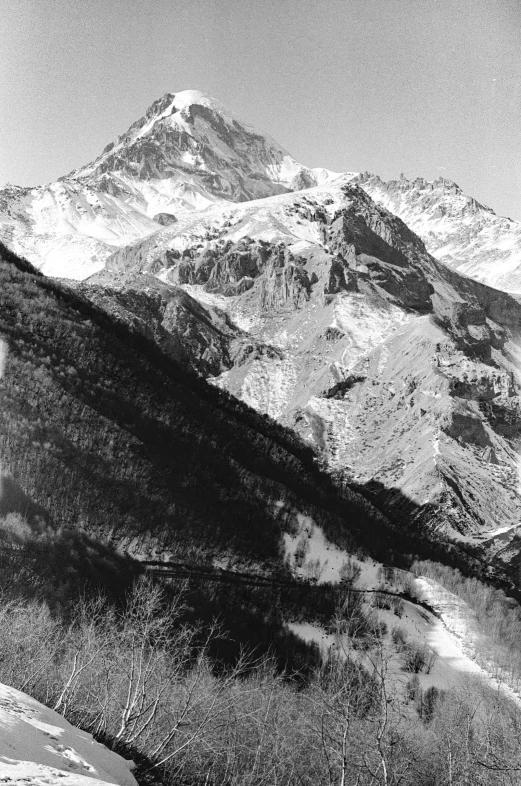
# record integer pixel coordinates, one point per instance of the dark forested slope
(100, 431)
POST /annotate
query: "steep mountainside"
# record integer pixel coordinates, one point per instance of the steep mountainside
(401, 372)
(456, 229)
(185, 153)
(101, 431)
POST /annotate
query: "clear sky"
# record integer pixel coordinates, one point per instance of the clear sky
(424, 87)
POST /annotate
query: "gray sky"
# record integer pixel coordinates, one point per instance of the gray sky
(424, 87)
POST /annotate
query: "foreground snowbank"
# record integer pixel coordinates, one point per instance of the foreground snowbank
(38, 746)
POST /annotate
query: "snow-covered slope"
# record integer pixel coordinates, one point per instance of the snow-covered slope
(38, 746)
(456, 229)
(185, 154)
(429, 616)
(67, 229)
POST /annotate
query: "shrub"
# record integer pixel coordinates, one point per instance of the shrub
(382, 601)
(399, 639)
(430, 699)
(413, 688)
(418, 658)
(350, 572)
(398, 606)
(301, 550)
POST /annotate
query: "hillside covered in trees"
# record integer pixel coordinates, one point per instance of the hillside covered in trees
(103, 433)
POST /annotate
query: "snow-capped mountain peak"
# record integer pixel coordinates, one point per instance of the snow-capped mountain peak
(185, 154)
(173, 110)
(194, 133)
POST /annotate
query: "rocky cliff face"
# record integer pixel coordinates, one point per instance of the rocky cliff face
(455, 227)
(203, 339)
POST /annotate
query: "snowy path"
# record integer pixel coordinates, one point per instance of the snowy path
(451, 636)
(38, 746)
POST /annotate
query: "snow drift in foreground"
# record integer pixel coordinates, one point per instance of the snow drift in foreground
(39, 746)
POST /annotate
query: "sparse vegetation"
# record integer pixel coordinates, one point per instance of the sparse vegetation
(301, 550)
(399, 639)
(350, 572)
(144, 683)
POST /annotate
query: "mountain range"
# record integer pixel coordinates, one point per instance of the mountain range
(359, 314)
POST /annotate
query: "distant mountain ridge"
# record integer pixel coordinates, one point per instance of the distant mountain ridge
(187, 153)
(456, 228)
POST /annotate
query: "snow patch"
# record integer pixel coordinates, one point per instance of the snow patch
(269, 384)
(322, 558)
(453, 637)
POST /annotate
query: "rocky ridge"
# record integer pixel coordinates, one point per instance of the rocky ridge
(402, 373)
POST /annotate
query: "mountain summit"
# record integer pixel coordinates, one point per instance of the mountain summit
(191, 135)
(189, 153)
(185, 154)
